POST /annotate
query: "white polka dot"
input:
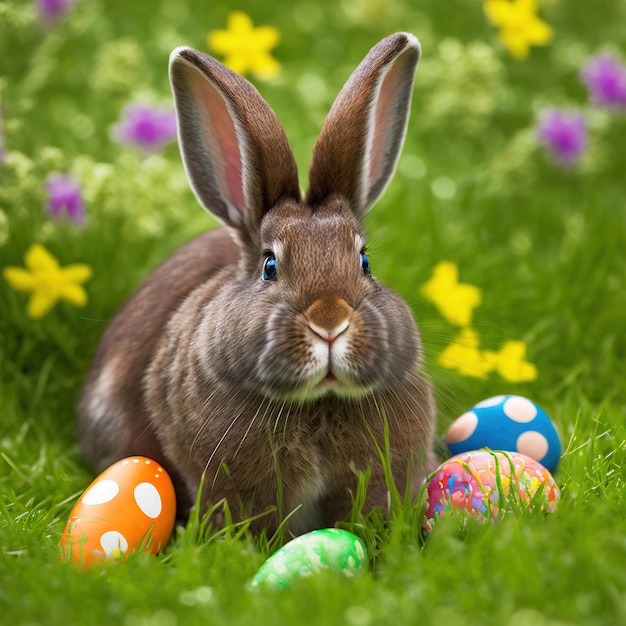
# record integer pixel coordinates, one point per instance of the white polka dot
(126, 462)
(103, 491)
(462, 428)
(111, 541)
(532, 444)
(490, 402)
(519, 409)
(147, 462)
(148, 499)
(135, 460)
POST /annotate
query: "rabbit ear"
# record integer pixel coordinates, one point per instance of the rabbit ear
(235, 151)
(358, 148)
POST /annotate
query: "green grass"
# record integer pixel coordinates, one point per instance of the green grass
(546, 247)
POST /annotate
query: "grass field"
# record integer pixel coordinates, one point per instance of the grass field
(543, 241)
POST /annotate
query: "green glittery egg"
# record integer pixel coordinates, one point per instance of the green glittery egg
(328, 549)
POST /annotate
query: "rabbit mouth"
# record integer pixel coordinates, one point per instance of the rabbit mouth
(333, 385)
(330, 382)
(322, 386)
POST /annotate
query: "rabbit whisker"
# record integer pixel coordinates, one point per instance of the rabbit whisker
(278, 416)
(222, 438)
(251, 424)
(203, 425)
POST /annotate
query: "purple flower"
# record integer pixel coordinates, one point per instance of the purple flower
(64, 197)
(564, 134)
(605, 78)
(149, 128)
(52, 10)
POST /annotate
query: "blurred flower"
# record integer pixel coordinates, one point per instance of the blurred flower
(519, 25)
(454, 300)
(247, 48)
(148, 128)
(47, 281)
(510, 362)
(3, 154)
(605, 78)
(564, 134)
(64, 197)
(463, 355)
(52, 10)
(4, 228)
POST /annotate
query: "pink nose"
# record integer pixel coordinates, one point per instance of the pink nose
(328, 317)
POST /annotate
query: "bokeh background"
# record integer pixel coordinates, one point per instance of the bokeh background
(542, 241)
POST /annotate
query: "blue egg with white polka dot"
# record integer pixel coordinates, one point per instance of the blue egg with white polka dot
(510, 423)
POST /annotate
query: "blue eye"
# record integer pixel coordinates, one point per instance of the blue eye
(269, 267)
(365, 264)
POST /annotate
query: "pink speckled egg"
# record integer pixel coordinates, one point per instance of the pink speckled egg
(487, 486)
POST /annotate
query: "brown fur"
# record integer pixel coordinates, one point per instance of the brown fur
(276, 392)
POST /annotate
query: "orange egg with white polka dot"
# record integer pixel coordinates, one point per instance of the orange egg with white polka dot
(130, 506)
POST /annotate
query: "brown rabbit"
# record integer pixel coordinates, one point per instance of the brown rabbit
(263, 355)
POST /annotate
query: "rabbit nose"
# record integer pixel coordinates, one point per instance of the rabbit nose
(329, 317)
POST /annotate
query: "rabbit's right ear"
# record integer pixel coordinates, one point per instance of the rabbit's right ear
(358, 148)
(234, 150)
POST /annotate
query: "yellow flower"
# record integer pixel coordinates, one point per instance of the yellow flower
(247, 49)
(47, 281)
(454, 300)
(464, 355)
(519, 25)
(510, 362)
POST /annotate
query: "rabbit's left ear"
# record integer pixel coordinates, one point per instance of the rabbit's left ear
(235, 151)
(358, 148)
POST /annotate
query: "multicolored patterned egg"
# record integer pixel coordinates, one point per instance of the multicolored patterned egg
(130, 506)
(327, 549)
(487, 486)
(511, 423)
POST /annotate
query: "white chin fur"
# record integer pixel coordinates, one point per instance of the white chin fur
(313, 375)
(323, 361)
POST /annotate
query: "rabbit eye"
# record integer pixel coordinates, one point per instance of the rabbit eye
(365, 264)
(269, 267)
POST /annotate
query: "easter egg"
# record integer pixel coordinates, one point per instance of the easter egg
(487, 486)
(327, 549)
(511, 423)
(130, 506)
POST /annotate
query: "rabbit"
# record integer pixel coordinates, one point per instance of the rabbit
(263, 364)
